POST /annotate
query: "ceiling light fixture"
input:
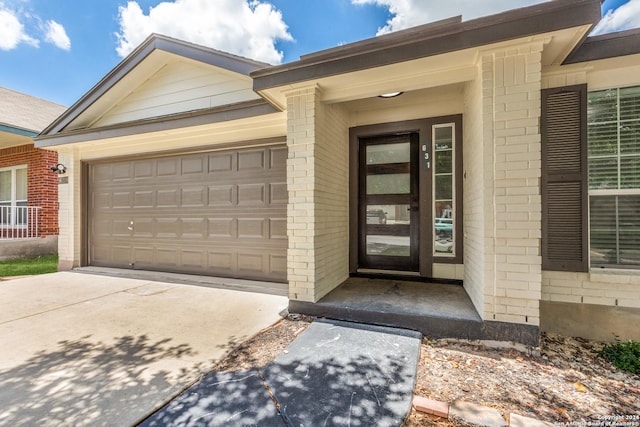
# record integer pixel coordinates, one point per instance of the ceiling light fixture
(390, 95)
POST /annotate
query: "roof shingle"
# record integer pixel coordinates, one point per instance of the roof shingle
(26, 112)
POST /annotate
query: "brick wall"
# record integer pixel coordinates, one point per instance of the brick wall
(317, 181)
(503, 210)
(615, 289)
(42, 184)
(331, 198)
(476, 185)
(518, 203)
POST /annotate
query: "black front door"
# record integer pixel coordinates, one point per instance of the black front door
(388, 202)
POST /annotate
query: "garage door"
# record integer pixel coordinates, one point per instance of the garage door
(220, 213)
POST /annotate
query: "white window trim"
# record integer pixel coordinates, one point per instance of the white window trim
(610, 191)
(13, 201)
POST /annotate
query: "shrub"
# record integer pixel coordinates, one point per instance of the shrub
(624, 355)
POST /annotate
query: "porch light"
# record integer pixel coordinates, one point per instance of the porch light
(390, 95)
(59, 168)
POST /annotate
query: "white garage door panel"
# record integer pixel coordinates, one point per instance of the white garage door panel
(218, 213)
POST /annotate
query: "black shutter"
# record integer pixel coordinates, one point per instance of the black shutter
(564, 179)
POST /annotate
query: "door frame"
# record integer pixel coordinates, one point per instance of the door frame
(423, 127)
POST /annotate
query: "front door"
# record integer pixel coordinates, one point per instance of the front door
(388, 202)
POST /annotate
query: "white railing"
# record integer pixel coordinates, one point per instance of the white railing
(19, 222)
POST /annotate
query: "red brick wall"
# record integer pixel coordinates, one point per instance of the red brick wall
(42, 184)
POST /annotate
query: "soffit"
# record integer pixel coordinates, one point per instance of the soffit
(9, 139)
(178, 139)
(429, 72)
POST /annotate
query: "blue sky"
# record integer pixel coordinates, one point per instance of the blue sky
(59, 49)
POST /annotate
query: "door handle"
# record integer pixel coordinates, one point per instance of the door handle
(414, 209)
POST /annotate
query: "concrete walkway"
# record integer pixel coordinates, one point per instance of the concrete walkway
(335, 374)
(80, 349)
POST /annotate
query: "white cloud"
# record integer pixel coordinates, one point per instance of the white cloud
(55, 34)
(248, 28)
(409, 13)
(625, 17)
(12, 31)
(16, 25)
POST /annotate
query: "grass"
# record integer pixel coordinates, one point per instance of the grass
(25, 267)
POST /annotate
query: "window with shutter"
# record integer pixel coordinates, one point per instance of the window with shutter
(614, 177)
(564, 179)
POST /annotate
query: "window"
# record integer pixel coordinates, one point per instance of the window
(443, 189)
(614, 176)
(13, 193)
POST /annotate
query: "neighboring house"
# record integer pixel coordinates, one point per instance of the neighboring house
(509, 161)
(28, 188)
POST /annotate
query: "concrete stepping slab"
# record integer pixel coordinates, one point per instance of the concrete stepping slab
(474, 414)
(341, 373)
(220, 399)
(516, 420)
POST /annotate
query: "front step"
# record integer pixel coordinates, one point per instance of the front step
(434, 310)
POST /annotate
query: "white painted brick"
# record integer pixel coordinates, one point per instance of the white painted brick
(514, 293)
(510, 318)
(523, 311)
(583, 287)
(512, 302)
(598, 300)
(609, 278)
(588, 292)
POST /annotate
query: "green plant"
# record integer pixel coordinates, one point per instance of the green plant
(25, 267)
(624, 355)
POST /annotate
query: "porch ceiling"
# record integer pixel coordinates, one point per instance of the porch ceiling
(424, 73)
(409, 98)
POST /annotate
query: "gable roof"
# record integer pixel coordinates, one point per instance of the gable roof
(138, 65)
(346, 72)
(432, 39)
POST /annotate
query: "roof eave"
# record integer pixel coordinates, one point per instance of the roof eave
(17, 131)
(533, 20)
(194, 118)
(154, 41)
(621, 43)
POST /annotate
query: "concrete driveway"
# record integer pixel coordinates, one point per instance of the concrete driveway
(83, 349)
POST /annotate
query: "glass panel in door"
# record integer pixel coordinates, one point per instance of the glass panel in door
(388, 202)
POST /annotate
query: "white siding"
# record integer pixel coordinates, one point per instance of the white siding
(180, 87)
